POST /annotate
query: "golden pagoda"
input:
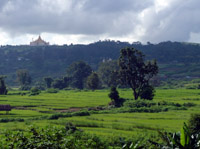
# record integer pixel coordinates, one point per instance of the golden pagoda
(39, 42)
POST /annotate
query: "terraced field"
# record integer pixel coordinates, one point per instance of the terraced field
(41, 110)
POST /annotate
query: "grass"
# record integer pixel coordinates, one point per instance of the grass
(35, 110)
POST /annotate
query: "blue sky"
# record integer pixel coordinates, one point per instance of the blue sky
(85, 21)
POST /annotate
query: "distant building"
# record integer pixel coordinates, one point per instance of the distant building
(39, 42)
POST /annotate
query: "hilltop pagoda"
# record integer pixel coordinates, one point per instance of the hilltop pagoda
(39, 42)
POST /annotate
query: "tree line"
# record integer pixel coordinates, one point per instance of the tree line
(130, 70)
(53, 60)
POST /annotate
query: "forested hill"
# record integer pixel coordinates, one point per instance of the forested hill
(53, 60)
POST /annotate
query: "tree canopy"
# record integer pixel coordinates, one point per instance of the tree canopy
(78, 72)
(134, 71)
(3, 89)
(93, 81)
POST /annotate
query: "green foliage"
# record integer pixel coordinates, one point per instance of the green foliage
(134, 72)
(105, 122)
(3, 89)
(25, 87)
(147, 92)
(78, 72)
(48, 81)
(139, 103)
(6, 120)
(59, 115)
(108, 72)
(62, 115)
(23, 77)
(52, 90)
(59, 84)
(93, 81)
(53, 60)
(34, 91)
(52, 137)
(194, 123)
(114, 96)
(183, 140)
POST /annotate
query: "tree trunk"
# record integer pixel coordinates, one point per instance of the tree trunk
(135, 94)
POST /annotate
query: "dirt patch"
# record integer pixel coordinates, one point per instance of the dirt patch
(24, 108)
(76, 109)
(68, 110)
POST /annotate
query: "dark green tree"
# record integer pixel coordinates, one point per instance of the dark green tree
(78, 72)
(134, 71)
(93, 81)
(23, 77)
(147, 92)
(48, 81)
(3, 90)
(108, 72)
(114, 96)
(58, 83)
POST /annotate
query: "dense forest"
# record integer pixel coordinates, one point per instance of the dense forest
(175, 59)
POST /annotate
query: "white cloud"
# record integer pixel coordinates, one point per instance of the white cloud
(194, 37)
(83, 21)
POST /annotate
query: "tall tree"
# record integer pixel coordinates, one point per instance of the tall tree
(78, 72)
(3, 90)
(93, 81)
(134, 71)
(48, 81)
(23, 77)
(108, 72)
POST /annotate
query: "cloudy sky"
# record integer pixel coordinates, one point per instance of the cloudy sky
(86, 21)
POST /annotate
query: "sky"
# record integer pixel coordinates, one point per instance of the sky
(86, 21)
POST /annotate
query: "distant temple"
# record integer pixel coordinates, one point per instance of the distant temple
(39, 42)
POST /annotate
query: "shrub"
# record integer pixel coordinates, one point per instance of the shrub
(113, 95)
(138, 103)
(147, 92)
(194, 123)
(81, 113)
(52, 137)
(58, 115)
(115, 99)
(6, 120)
(189, 104)
(52, 90)
(35, 91)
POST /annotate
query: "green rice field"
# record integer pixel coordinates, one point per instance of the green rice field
(36, 110)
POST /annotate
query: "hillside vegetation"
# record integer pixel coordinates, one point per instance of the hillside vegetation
(176, 60)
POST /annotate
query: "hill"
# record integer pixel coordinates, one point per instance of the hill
(175, 59)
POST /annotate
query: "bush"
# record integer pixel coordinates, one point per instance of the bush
(6, 120)
(148, 92)
(194, 123)
(115, 99)
(52, 137)
(58, 115)
(81, 113)
(113, 95)
(35, 91)
(189, 104)
(52, 90)
(138, 103)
